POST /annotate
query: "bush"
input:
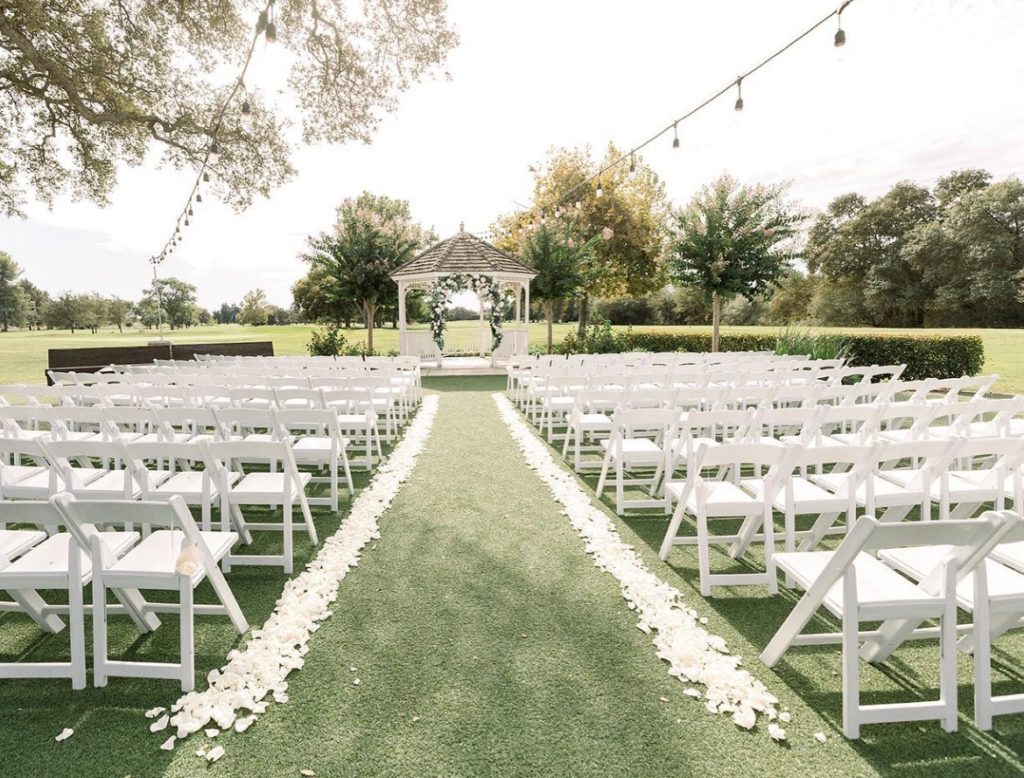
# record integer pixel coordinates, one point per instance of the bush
(329, 342)
(926, 356)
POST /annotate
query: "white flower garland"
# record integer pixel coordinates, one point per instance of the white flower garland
(692, 653)
(273, 651)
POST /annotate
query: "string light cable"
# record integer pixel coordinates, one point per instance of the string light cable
(266, 27)
(737, 83)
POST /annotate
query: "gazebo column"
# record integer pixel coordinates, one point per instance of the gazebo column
(519, 297)
(526, 317)
(401, 318)
(483, 342)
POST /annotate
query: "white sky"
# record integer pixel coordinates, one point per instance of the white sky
(922, 87)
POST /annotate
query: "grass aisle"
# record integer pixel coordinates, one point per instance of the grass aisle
(485, 642)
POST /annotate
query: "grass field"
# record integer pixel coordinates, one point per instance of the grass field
(23, 354)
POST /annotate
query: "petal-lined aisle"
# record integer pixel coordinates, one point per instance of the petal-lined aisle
(476, 637)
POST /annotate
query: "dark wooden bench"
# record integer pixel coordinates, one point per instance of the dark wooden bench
(94, 359)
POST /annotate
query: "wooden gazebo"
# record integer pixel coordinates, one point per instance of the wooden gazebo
(465, 254)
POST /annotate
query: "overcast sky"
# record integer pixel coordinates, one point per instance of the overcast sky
(922, 87)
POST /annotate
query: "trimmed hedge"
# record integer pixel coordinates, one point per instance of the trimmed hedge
(926, 356)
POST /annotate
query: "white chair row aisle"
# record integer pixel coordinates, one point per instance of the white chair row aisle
(100, 547)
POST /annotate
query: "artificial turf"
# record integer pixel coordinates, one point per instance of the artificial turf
(487, 643)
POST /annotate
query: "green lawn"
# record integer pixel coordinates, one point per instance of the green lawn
(487, 643)
(23, 354)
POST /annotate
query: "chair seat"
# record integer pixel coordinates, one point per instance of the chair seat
(157, 437)
(565, 402)
(808, 497)
(963, 490)
(264, 484)
(878, 585)
(15, 542)
(157, 555)
(637, 450)
(112, 483)
(721, 498)
(594, 421)
(49, 559)
(1011, 554)
(887, 493)
(189, 485)
(1002, 582)
(12, 474)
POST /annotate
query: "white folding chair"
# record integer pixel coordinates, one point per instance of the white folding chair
(52, 563)
(175, 556)
(856, 587)
(718, 498)
(317, 441)
(638, 442)
(271, 489)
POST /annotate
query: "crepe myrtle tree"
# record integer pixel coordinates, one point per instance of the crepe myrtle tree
(373, 235)
(89, 84)
(733, 239)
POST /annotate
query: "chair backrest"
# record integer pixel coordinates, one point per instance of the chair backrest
(38, 512)
(296, 397)
(17, 420)
(128, 420)
(86, 518)
(62, 454)
(242, 420)
(197, 421)
(223, 456)
(324, 421)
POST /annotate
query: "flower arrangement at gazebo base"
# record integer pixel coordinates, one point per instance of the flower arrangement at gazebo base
(486, 289)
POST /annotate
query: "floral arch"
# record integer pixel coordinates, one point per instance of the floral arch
(486, 288)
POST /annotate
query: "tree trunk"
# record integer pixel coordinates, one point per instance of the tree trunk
(716, 319)
(369, 314)
(549, 314)
(584, 312)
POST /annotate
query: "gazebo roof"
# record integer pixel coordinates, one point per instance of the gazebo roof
(463, 253)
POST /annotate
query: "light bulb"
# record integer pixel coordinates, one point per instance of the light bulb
(600, 189)
(675, 136)
(739, 94)
(271, 32)
(840, 37)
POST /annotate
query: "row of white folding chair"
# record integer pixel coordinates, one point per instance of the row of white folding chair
(902, 575)
(354, 411)
(894, 477)
(107, 470)
(102, 548)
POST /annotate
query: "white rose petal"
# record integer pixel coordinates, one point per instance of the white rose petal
(160, 724)
(243, 724)
(215, 753)
(820, 737)
(785, 717)
(776, 732)
(152, 713)
(211, 732)
(64, 734)
(168, 745)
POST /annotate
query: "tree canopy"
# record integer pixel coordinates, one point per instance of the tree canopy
(733, 239)
(88, 84)
(372, 236)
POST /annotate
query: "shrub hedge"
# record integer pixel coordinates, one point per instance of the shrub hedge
(926, 356)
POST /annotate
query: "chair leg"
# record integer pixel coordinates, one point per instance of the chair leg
(288, 562)
(76, 619)
(673, 529)
(187, 629)
(703, 552)
(947, 648)
(99, 630)
(851, 679)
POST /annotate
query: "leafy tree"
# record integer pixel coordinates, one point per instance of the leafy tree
(66, 312)
(226, 314)
(119, 312)
(556, 252)
(88, 84)
(255, 308)
(790, 302)
(175, 297)
(36, 302)
(311, 297)
(680, 305)
(278, 315)
(95, 311)
(372, 236)
(12, 297)
(733, 239)
(632, 206)
(950, 190)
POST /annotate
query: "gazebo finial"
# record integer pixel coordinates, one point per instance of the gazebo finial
(462, 227)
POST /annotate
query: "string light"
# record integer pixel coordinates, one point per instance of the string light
(600, 189)
(675, 144)
(632, 164)
(264, 26)
(840, 39)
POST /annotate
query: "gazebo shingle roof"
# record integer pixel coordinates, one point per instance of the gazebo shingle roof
(463, 253)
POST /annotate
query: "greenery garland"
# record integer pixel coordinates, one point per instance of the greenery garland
(445, 286)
